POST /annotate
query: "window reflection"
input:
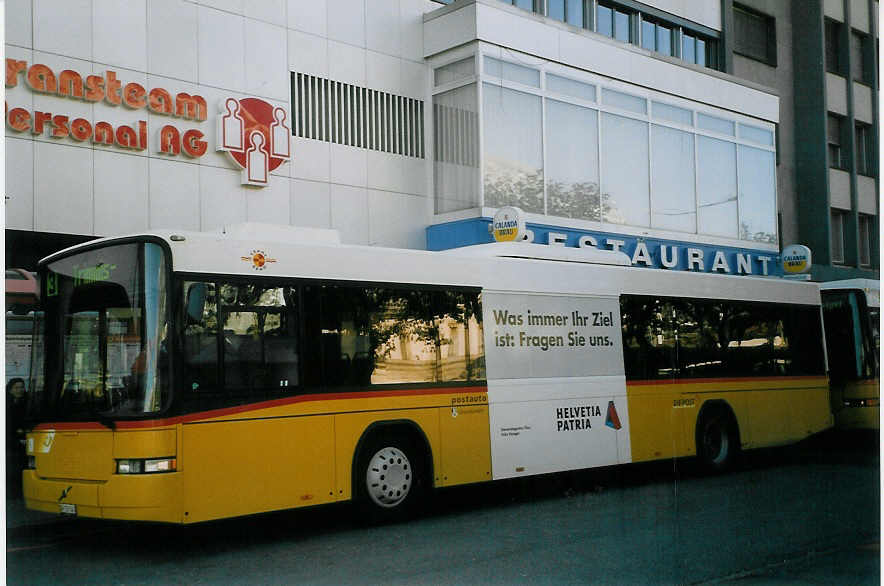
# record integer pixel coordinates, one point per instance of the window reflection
(572, 161)
(456, 152)
(758, 197)
(624, 157)
(717, 184)
(513, 149)
(672, 199)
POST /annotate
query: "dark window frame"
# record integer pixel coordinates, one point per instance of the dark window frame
(864, 149)
(863, 73)
(833, 53)
(768, 22)
(840, 161)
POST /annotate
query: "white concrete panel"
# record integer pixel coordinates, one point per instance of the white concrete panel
(415, 79)
(123, 115)
(267, 74)
(450, 30)
(174, 194)
(271, 204)
(172, 39)
(222, 198)
(63, 27)
(867, 198)
(413, 175)
(309, 17)
(384, 171)
(859, 15)
(383, 72)
(235, 6)
(839, 189)
(836, 94)
(349, 213)
(705, 12)
(346, 63)
(308, 53)
(19, 23)
(348, 165)
(397, 220)
(834, 9)
(120, 34)
(121, 188)
(20, 184)
(518, 31)
(64, 106)
(862, 103)
(21, 95)
(272, 11)
(411, 25)
(382, 30)
(221, 49)
(310, 159)
(310, 203)
(62, 189)
(348, 17)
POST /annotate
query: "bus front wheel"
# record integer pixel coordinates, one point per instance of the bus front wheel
(718, 440)
(389, 479)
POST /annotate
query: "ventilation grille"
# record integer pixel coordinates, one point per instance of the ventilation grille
(343, 113)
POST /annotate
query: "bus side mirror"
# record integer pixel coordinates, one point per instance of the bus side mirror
(196, 302)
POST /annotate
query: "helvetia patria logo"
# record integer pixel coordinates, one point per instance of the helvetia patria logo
(255, 136)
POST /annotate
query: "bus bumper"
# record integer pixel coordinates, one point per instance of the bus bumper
(147, 497)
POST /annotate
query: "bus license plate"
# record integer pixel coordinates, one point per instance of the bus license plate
(68, 509)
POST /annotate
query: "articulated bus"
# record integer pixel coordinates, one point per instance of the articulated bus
(197, 376)
(852, 315)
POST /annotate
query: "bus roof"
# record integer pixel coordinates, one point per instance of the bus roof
(532, 268)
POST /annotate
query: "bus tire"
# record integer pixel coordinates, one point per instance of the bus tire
(718, 438)
(390, 480)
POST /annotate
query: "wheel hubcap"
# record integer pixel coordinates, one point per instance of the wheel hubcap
(716, 442)
(389, 477)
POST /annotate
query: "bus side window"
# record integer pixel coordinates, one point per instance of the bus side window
(260, 333)
(649, 341)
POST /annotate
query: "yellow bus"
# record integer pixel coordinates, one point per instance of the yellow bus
(852, 316)
(197, 376)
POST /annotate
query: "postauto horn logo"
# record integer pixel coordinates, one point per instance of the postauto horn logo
(255, 136)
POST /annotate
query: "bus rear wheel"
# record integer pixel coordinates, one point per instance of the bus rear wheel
(718, 440)
(389, 479)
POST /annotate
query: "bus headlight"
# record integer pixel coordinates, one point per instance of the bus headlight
(151, 466)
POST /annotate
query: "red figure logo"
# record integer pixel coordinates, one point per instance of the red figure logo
(255, 136)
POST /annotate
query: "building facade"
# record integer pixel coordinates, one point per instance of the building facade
(677, 132)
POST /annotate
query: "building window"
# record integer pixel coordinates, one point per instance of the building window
(859, 67)
(865, 240)
(838, 220)
(614, 22)
(755, 35)
(833, 47)
(834, 135)
(530, 5)
(570, 11)
(865, 150)
(657, 37)
(342, 113)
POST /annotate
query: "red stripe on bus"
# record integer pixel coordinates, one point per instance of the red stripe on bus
(72, 425)
(684, 381)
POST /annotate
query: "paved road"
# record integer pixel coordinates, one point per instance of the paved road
(805, 514)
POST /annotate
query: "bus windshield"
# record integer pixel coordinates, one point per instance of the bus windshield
(104, 335)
